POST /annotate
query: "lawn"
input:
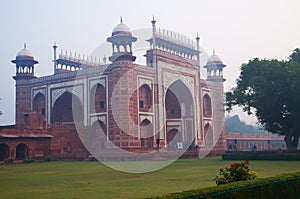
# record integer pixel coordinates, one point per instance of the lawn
(94, 180)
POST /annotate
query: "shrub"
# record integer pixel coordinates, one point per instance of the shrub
(236, 172)
(281, 186)
(9, 160)
(47, 158)
(28, 160)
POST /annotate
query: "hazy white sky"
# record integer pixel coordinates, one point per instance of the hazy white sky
(238, 30)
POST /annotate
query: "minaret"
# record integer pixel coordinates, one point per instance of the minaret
(153, 40)
(198, 48)
(24, 72)
(54, 56)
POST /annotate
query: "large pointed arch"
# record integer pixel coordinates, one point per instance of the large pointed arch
(179, 109)
(179, 100)
(62, 111)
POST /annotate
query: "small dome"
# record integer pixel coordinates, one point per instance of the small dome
(24, 53)
(121, 28)
(214, 59)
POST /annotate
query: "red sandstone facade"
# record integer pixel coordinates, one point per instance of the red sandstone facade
(137, 108)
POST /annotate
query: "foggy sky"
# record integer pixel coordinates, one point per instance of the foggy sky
(238, 30)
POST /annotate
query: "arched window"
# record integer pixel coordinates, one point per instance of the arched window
(145, 98)
(207, 109)
(21, 151)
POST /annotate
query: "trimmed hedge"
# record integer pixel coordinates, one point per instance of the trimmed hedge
(260, 155)
(281, 186)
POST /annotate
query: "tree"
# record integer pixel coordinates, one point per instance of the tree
(270, 89)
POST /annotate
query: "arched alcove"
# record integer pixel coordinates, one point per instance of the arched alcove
(4, 151)
(21, 151)
(145, 98)
(208, 135)
(39, 105)
(207, 109)
(146, 134)
(98, 99)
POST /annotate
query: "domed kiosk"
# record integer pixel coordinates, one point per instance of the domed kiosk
(24, 64)
(215, 67)
(121, 40)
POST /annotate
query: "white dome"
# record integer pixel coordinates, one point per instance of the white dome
(121, 28)
(214, 59)
(24, 53)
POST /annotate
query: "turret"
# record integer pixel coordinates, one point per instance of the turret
(24, 72)
(214, 68)
(24, 64)
(121, 40)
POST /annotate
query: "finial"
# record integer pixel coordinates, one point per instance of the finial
(54, 46)
(197, 38)
(153, 20)
(214, 52)
(25, 45)
(104, 59)
(121, 19)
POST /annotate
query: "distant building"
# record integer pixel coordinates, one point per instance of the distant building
(190, 108)
(246, 142)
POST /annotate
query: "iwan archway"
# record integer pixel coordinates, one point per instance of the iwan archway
(179, 115)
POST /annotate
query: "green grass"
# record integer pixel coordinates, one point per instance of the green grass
(94, 180)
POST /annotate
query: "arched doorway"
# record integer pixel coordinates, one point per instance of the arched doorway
(98, 99)
(39, 105)
(4, 151)
(174, 136)
(179, 107)
(145, 98)
(62, 112)
(146, 134)
(21, 151)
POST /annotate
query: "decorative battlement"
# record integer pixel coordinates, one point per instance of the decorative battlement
(176, 38)
(67, 62)
(174, 43)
